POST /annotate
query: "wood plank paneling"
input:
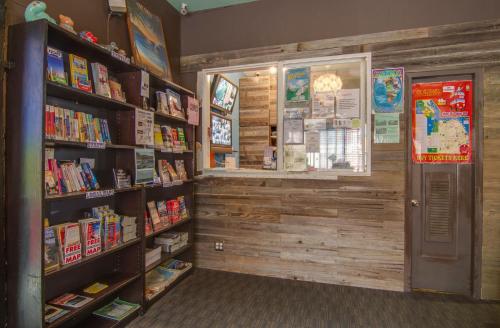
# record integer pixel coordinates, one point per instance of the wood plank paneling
(349, 231)
(254, 120)
(491, 186)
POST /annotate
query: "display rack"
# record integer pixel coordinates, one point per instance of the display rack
(122, 267)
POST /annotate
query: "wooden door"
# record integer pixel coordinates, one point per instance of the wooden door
(441, 214)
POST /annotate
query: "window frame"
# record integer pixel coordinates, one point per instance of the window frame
(203, 88)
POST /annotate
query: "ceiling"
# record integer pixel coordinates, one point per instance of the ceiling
(197, 5)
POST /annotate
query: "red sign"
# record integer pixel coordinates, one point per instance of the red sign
(442, 122)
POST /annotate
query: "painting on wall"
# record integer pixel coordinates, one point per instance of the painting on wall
(147, 40)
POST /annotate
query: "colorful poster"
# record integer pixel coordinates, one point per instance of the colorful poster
(386, 129)
(388, 90)
(297, 85)
(442, 122)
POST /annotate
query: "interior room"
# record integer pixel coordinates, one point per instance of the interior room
(250, 163)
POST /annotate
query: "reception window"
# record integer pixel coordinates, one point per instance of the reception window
(301, 118)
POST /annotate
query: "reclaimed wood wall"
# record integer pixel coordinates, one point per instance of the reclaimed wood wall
(349, 231)
(255, 103)
(491, 185)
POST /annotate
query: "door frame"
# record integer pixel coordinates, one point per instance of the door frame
(477, 141)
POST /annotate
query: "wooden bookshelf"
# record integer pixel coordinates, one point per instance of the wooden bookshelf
(122, 267)
(172, 284)
(168, 256)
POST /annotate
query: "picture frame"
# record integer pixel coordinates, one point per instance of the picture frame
(147, 40)
(219, 136)
(223, 93)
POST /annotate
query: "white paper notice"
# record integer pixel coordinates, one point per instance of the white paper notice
(420, 142)
(144, 127)
(348, 103)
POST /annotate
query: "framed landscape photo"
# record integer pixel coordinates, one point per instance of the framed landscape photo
(223, 93)
(147, 40)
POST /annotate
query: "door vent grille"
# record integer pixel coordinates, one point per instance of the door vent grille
(438, 210)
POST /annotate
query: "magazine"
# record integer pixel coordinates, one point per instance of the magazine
(117, 310)
(71, 300)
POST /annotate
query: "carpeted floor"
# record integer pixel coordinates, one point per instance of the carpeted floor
(219, 299)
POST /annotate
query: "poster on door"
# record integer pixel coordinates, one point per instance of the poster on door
(442, 122)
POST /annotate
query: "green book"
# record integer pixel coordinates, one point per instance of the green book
(117, 310)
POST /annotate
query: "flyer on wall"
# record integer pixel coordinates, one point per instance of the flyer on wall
(388, 90)
(442, 122)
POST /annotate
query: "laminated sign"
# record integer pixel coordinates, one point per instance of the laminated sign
(442, 122)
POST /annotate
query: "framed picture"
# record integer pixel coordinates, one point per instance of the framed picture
(223, 93)
(147, 39)
(221, 131)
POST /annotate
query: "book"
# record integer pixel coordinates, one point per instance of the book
(117, 310)
(111, 225)
(158, 136)
(174, 104)
(95, 288)
(79, 73)
(173, 211)
(193, 110)
(163, 213)
(101, 80)
(148, 225)
(155, 217)
(183, 212)
(171, 171)
(68, 125)
(51, 248)
(91, 236)
(68, 238)
(71, 300)
(53, 313)
(116, 90)
(166, 133)
(55, 66)
(163, 172)
(181, 169)
(161, 102)
(122, 179)
(182, 138)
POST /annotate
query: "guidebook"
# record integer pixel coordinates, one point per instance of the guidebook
(117, 310)
(51, 248)
(53, 313)
(79, 73)
(55, 66)
(71, 300)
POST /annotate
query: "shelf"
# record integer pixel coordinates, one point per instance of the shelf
(170, 227)
(76, 144)
(163, 151)
(91, 259)
(115, 283)
(87, 98)
(100, 322)
(69, 42)
(160, 83)
(171, 117)
(167, 256)
(177, 280)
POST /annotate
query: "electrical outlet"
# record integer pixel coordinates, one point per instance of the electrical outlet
(219, 246)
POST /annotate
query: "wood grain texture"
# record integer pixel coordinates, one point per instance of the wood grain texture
(349, 231)
(491, 186)
(255, 103)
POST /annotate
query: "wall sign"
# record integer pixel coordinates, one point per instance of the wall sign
(388, 90)
(442, 122)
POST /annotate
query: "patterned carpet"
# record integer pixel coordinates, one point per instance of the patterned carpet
(218, 299)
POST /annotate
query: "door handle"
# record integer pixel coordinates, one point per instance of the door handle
(415, 203)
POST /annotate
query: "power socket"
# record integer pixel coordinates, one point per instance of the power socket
(219, 246)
